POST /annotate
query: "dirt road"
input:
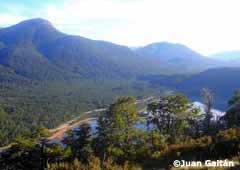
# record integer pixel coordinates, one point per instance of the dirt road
(58, 133)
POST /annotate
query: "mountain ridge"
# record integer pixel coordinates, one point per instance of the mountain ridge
(80, 56)
(177, 56)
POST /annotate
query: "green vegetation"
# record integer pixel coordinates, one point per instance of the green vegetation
(25, 104)
(233, 114)
(222, 82)
(119, 145)
(175, 58)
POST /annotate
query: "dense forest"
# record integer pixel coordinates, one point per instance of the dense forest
(25, 104)
(222, 87)
(175, 131)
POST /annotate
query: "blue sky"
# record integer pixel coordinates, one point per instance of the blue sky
(207, 26)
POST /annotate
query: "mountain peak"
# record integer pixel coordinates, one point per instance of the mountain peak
(162, 47)
(166, 44)
(36, 31)
(36, 22)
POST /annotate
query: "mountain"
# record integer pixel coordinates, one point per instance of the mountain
(19, 49)
(177, 56)
(36, 50)
(222, 82)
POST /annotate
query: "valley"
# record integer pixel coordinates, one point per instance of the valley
(49, 76)
(53, 83)
(57, 134)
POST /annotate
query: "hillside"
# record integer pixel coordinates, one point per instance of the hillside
(222, 82)
(56, 55)
(37, 50)
(176, 56)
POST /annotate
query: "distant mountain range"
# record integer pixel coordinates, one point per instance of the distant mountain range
(36, 50)
(176, 56)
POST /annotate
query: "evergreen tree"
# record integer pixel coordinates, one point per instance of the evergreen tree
(172, 114)
(80, 142)
(232, 116)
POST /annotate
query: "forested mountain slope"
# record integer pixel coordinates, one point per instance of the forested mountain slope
(222, 82)
(178, 57)
(37, 50)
